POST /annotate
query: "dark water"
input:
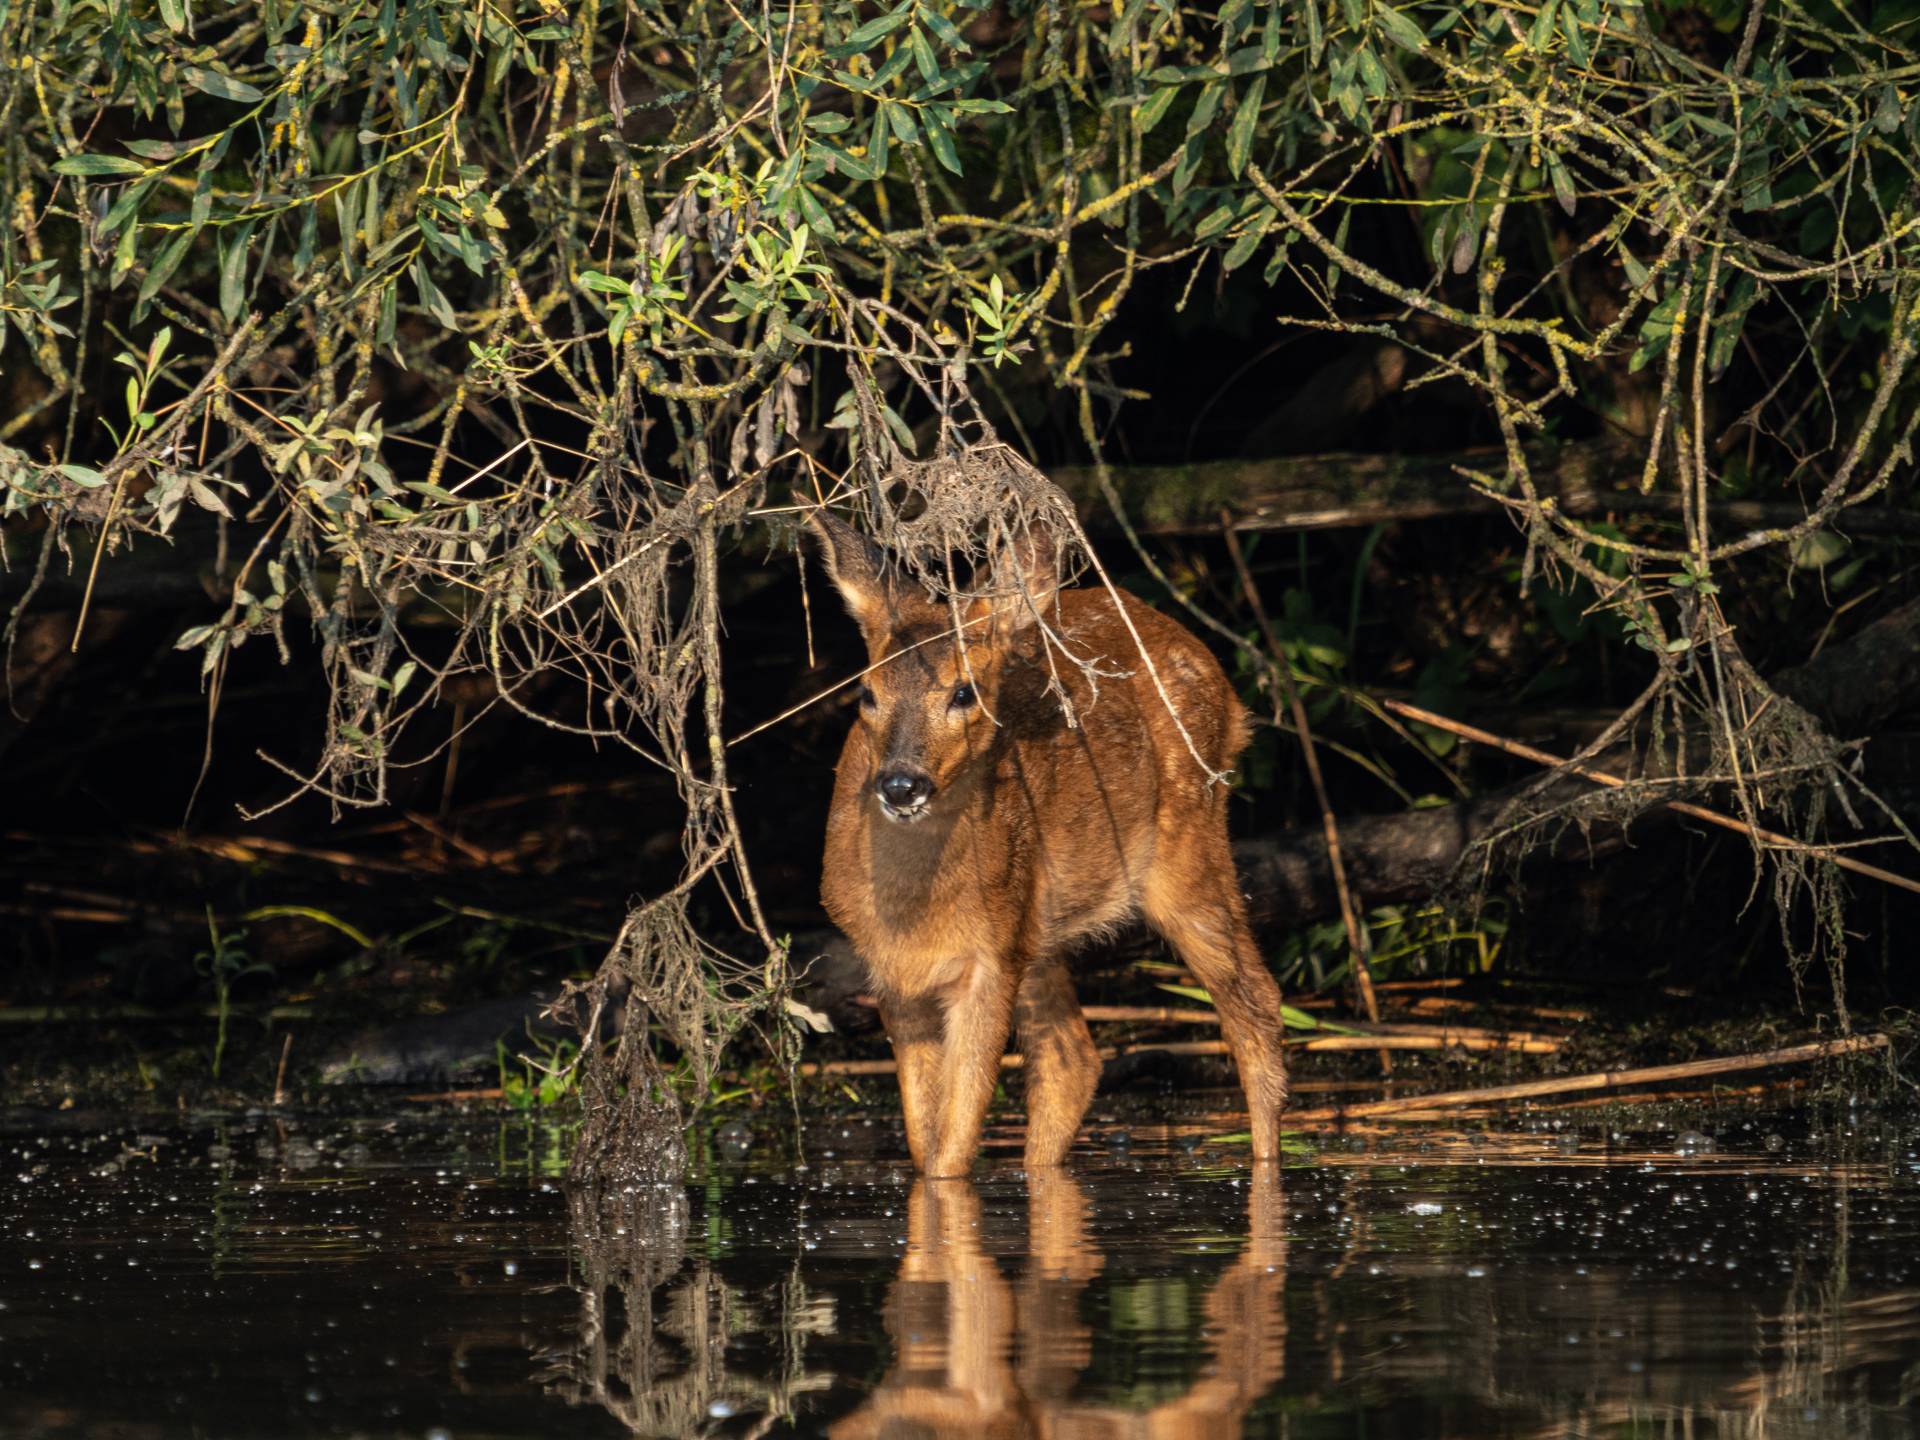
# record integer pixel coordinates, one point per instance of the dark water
(435, 1278)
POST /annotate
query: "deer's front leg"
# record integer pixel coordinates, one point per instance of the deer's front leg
(915, 1029)
(979, 1014)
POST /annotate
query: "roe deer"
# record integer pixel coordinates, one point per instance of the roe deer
(975, 835)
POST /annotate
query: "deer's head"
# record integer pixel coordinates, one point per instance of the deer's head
(930, 701)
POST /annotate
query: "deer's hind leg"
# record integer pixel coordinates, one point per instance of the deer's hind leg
(1196, 906)
(1062, 1065)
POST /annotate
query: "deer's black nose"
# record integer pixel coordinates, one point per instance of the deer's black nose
(904, 789)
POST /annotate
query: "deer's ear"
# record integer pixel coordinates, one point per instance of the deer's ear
(1026, 575)
(854, 564)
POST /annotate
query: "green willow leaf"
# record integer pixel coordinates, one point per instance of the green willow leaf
(1399, 29)
(219, 84)
(161, 270)
(97, 166)
(1218, 220)
(431, 300)
(1242, 249)
(1155, 108)
(161, 149)
(940, 140)
(1576, 38)
(1541, 35)
(1563, 190)
(923, 55)
(880, 28)
(1207, 108)
(129, 203)
(840, 162)
(943, 29)
(1245, 117)
(233, 271)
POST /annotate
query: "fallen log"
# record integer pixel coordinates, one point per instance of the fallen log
(1605, 1079)
(1389, 858)
(1850, 687)
(442, 1049)
(1856, 686)
(1770, 838)
(1317, 492)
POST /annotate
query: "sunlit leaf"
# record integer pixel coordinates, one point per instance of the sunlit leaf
(95, 166)
(880, 27)
(1154, 109)
(1399, 28)
(219, 84)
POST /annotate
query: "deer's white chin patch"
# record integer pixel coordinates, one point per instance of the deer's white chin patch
(912, 814)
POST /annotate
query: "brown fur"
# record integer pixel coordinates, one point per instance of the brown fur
(1038, 834)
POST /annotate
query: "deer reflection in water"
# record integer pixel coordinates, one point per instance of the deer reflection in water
(976, 1355)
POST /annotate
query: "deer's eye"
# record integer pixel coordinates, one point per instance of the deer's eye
(963, 698)
(867, 702)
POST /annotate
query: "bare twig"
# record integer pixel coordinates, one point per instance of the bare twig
(1608, 1079)
(280, 1075)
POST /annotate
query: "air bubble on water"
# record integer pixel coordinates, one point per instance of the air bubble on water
(735, 1139)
